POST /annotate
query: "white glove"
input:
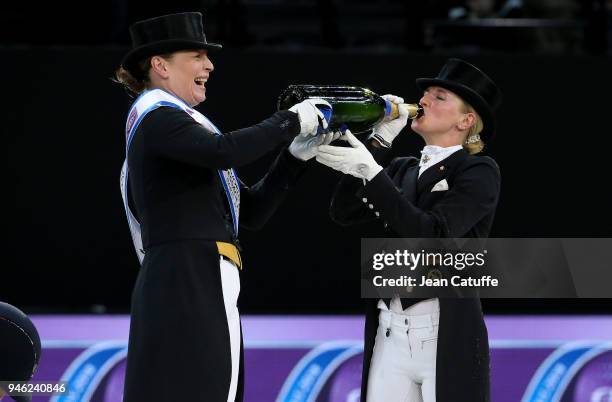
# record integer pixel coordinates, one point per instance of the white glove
(389, 129)
(356, 161)
(306, 148)
(310, 116)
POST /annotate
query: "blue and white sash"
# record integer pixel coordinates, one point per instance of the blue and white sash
(145, 103)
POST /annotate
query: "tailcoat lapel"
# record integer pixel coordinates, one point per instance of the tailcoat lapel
(409, 183)
(439, 171)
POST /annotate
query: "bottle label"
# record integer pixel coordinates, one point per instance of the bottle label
(387, 108)
(327, 114)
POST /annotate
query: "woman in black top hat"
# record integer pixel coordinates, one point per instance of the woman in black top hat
(433, 349)
(19, 347)
(185, 204)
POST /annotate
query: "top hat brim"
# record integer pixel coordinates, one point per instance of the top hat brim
(131, 60)
(470, 96)
(20, 346)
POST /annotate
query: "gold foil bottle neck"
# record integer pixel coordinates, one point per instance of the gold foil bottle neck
(414, 110)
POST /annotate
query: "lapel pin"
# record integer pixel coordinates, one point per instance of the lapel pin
(442, 167)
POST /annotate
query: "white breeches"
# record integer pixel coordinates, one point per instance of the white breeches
(403, 367)
(230, 282)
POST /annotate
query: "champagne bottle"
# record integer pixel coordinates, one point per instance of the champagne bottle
(357, 109)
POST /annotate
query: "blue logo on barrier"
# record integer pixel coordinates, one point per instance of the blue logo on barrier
(313, 370)
(84, 374)
(555, 373)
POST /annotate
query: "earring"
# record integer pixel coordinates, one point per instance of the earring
(472, 139)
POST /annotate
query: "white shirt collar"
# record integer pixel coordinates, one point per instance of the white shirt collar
(432, 154)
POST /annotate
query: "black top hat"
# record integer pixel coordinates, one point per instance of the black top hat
(473, 86)
(19, 347)
(165, 34)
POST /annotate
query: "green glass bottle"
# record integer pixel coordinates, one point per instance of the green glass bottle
(355, 108)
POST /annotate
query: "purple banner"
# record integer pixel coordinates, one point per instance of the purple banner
(319, 359)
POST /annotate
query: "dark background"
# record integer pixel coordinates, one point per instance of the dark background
(68, 247)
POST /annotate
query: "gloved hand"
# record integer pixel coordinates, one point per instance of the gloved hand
(310, 116)
(356, 161)
(389, 129)
(306, 148)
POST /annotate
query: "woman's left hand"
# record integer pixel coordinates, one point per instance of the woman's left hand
(306, 148)
(356, 160)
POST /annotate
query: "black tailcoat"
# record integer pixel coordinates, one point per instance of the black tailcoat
(179, 348)
(407, 207)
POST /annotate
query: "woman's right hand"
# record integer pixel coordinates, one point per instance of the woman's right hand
(389, 129)
(310, 116)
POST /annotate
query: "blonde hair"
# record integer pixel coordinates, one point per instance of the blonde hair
(132, 82)
(473, 143)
